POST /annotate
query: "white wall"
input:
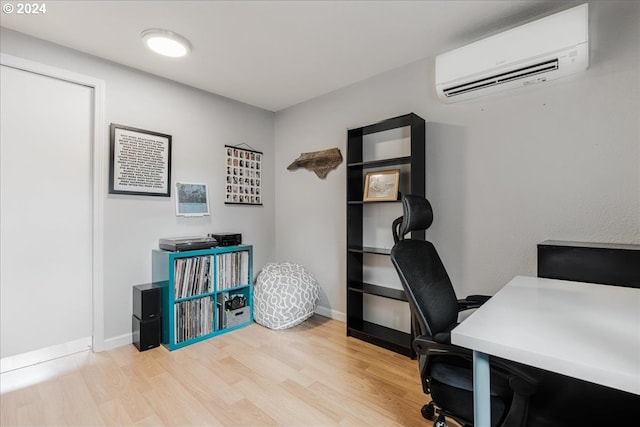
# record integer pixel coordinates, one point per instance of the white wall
(557, 162)
(200, 124)
(504, 173)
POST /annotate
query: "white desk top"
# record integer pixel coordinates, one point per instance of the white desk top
(582, 330)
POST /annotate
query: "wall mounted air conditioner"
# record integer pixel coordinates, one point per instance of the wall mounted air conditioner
(537, 52)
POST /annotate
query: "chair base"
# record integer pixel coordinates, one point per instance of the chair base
(429, 411)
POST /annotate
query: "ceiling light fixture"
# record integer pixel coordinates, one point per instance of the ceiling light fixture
(166, 42)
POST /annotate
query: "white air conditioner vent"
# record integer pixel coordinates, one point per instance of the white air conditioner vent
(520, 73)
(543, 50)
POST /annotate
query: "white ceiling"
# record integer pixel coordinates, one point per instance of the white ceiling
(274, 54)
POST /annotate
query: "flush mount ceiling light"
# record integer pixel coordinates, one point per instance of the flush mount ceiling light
(166, 42)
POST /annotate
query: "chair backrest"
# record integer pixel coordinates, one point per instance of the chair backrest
(425, 281)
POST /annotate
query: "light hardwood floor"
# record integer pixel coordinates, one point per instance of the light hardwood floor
(310, 375)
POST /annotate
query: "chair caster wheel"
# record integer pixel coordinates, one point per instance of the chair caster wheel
(428, 411)
(440, 422)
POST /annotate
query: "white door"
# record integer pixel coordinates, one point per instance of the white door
(45, 213)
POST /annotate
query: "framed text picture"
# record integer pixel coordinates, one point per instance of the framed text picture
(192, 199)
(244, 176)
(139, 162)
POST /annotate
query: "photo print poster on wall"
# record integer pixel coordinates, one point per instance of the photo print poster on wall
(192, 199)
(139, 162)
(243, 176)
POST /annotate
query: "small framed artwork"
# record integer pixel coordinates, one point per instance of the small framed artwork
(380, 186)
(244, 176)
(139, 162)
(192, 199)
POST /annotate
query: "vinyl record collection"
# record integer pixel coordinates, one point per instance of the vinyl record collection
(194, 318)
(193, 276)
(203, 292)
(233, 269)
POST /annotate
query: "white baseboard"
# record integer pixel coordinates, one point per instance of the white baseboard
(330, 313)
(119, 341)
(38, 356)
(22, 360)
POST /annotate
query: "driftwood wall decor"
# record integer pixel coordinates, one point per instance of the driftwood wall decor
(320, 162)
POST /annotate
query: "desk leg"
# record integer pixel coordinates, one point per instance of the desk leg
(481, 390)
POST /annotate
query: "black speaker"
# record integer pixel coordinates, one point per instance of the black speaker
(146, 333)
(146, 322)
(147, 301)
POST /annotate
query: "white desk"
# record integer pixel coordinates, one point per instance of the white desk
(582, 330)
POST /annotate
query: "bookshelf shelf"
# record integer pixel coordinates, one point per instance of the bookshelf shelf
(195, 288)
(381, 291)
(189, 298)
(382, 162)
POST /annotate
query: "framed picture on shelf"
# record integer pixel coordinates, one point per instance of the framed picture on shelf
(380, 186)
(139, 162)
(192, 199)
(244, 176)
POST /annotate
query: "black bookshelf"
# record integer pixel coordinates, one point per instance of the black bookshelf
(411, 183)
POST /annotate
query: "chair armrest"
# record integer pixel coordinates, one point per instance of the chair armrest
(478, 298)
(472, 301)
(425, 345)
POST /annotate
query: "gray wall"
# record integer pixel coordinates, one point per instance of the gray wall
(503, 173)
(200, 124)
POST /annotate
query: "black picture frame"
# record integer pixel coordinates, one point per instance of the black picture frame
(139, 162)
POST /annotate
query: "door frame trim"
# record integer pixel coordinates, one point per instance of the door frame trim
(98, 176)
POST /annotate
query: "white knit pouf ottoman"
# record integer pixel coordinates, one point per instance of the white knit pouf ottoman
(285, 295)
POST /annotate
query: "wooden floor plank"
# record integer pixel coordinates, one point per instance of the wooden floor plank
(309, 375)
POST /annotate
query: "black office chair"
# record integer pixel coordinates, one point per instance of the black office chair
(520, 395)
(445, 369)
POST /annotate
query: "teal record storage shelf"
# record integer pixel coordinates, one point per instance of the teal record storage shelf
(201, 292)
